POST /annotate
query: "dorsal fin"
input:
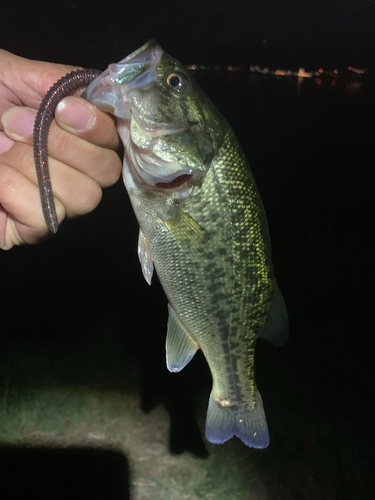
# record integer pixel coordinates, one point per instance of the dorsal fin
(276, 330)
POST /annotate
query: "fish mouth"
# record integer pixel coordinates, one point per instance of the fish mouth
(177, 182)
(109, 92)
(113, 91)
(156, 172)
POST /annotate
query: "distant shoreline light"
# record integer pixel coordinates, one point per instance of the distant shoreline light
(300, 73)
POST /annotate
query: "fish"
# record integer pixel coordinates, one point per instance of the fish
(202, 228)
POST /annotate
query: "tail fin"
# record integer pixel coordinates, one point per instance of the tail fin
(250, 426)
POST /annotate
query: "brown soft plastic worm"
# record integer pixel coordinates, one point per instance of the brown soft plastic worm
(63, 87)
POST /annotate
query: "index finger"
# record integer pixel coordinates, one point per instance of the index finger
(29, 80)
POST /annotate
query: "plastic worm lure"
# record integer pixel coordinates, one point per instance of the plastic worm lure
(63, 87)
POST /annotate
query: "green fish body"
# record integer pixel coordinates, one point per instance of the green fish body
(203, 227)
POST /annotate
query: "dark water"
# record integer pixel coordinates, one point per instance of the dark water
(310, 146)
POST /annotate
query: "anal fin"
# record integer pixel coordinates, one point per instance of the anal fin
(180, 347)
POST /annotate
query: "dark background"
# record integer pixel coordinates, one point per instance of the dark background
(311, 152)
(311, 33)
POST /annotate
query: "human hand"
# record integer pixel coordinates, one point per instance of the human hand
(82, 151)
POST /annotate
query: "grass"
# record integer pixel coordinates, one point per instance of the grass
(101, 408)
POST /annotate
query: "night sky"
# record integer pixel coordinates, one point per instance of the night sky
(291, 33)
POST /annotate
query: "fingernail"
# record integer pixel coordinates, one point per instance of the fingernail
(75, 114)
(5, 143)
(18, 122)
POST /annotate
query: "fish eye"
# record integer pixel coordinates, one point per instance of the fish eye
(177, 81)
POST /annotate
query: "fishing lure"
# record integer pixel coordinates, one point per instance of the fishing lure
(63, 87)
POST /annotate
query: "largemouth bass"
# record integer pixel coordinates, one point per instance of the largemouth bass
(203, 227)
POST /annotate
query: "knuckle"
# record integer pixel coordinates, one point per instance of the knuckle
(110, 170)
(25, 161)
(7, 178)
(87, 199)
(20, 159)
(61, 140)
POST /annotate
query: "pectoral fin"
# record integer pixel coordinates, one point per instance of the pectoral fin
(144, 254)
(187, 232)
(180, 347)
(275, 331)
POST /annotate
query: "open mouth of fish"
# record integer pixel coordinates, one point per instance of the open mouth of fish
(112, 92)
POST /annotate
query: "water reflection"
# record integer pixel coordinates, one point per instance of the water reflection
(349, 81)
